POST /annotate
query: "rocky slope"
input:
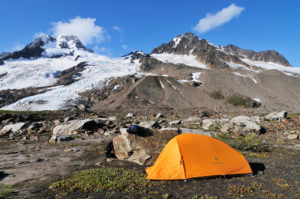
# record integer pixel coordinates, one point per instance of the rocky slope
(184, 73)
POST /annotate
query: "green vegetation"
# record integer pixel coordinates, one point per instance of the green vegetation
(27, 112)
(217, 95)
(223, 137)
(216, 126)
(206, 196)
(237, 190)
(5, 191)
(251, 142)
(240, 100)
(103, 179)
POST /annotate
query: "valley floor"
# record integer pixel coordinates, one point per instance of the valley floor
(32, 168)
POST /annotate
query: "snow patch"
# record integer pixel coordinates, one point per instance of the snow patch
(291, 71)
(196, 77)
(176, 41)
(189, 60)
(95, 75)
(256, 99)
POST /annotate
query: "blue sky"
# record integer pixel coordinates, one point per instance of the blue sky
(116, 27)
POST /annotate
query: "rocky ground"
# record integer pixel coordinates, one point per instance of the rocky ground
(72, 154)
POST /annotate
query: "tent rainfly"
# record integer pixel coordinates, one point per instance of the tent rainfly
(193, 156)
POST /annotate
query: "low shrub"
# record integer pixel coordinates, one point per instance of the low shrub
(240, 100)
(103, 179)
(217, 95)
(251, 142)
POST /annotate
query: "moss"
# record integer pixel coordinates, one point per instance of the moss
(5, 191)
(217, 95)
(103, 179)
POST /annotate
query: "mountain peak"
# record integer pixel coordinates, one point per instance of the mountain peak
(70, 42)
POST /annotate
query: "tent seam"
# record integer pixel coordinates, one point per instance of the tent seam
(181, 157)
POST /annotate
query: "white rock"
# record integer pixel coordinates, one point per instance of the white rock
(148, 124)
(195, 131)
(276, 115)
(70, 127)
(129, 115)
(123, 130)
(175, 122)
(246, 124)
(12, 128)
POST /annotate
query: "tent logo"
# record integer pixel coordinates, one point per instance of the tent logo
(216, 158)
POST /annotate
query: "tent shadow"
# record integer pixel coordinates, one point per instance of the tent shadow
(257, 167)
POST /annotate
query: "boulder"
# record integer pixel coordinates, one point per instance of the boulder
(81, 107)
(14, 128)
(159, 116)
(293, 136)
(192, 120)
(175, 122)
(64, 131)
(149, 124)
(245, 124)
(277, 116)
(169, 131)
(196, 131)
(207, 124)
(71, 127)
(138, 149)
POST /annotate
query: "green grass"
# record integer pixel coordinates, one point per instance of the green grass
(223, 137)
(5, 191)
(217, 95)
(240, 100)
(103, 179)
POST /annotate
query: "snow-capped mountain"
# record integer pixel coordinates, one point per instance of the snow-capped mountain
(177, 74)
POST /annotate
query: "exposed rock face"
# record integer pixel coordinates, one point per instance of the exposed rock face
(205, 52)
(66, 77)
(70, 42)
(265, 56)
(36, 48)
(32, 50)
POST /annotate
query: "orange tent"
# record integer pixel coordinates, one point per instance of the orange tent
(192, 155)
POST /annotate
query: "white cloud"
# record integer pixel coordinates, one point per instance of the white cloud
(84, 28)
(223, 16)
(117, 28)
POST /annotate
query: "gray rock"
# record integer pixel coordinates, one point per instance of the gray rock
(293, 136)
(277, 115)
(149, 124)
(246, 124)
(196, 131)
(169, 130)
(192, 120)
(66, 130)
(60, 138)
(160, 115)
(81, 107)
(12, 128)
(112, 119)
